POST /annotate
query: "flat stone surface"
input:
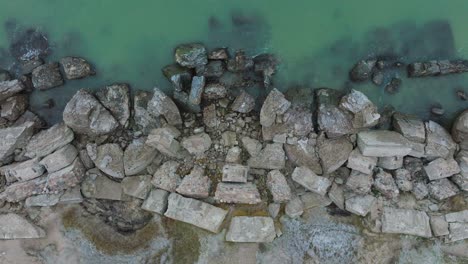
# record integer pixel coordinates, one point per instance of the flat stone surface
(60, 159)
(239, 193)
(410, 127)
(49, 140)
(278, 186)
(334, 121)
(333, 153)
(405, 221)
(10, 88)
(439, 225)
(461, 216)
(42, 200)
(359, 182)
(138, 156)
(442, 189)
(156, 201)
(13, 138)
(244, 103)
(382, 143)
(164, 140)
(458, 231)
(22, 171)
(304, 154)
(309, 180)
(108, 158)
(255, 229)
(86, 115)
(390, 163)
(197, 144)
(357, 161)
(162, 105)
(274, 104)
(137, 186)
(196, 184)
(439, 142)
(294, 208)
(235, 173)
(336, 195)
(16, 227)
(116, 99)
(441, 168)
(166, 176)
(96, 185)
(253, 146)
(195, 212)
(360, 204)
(271, 157)
(71, 196)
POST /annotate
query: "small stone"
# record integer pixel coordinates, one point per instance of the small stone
(243, 193)
(420, 190)
(109, 159)
(441, 168)
(244, 103)
(385, 184)
(382, 143)
(195, 184)
(229, 138)
(360, 204)
(197, 144)
(16, 227)
(357, 161)
(60, 159)
(273, 209)
(311, 200)
(218, 54)
(253, 229)
(96, 185)
(252, 146)
(390, 163)
(76, 68)
(438, 225)
(137, 186)
(309, 180)
(359, 182)
(47, 76)
(294, 208)
(405, 221)
(234, 155)
(241, 62)
(235, 173)
(278, 186)
(355, 102)
(210, 119)
(166, 176)
(442, 189)
(191, 55)
(215, 91)
(156, 201)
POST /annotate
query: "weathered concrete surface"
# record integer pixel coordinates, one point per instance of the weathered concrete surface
(359, 182)
(309, 180)
(242, 193)
(357, 161)
(360, 204)
(47, 141)
(382, 143)
(235, 173)
(195, 212)
(461, 216)
(405, 221)
(16, 227)
(60, 159)
(255, 229)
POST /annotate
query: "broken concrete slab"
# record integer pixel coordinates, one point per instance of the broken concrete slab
(271, 157)
(156, 201)
(382, 143)
(164, 140)
(235, 173)
(98, 186)
(197, 144)
(60, 159)
(356, 161)
(441, 168)
(458, 231)
(333, 153)
(405, 221)
(309, 180)
(278, 186)
(256, 229)
(196, 184)
(439, 225)
(195, 212)
(439, 142)
(410, 127)
(49, 140)
(360, 204)
(239, 193)
(16, 227)
(137, 186)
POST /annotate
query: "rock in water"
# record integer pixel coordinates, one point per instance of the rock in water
(195, 212)
(362, 70)
(434, 68)
(116, 99)
(85, 115)
(191, 55)
(13, 107)
(16, 227)
(244, 103)
(196, 91)
(405, 221)
(76, 68)
(162, 105)
(460, 129)
(108, 158)
(47, 76)
(255, 229)
(47, 141)
(10, 88)
(180, 77)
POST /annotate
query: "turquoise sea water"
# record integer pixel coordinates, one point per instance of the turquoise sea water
(317, 41)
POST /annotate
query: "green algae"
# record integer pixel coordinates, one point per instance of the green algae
(185, 241)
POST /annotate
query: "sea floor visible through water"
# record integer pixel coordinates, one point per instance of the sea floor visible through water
(317, 42)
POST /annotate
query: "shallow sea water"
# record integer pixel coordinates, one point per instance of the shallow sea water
(317, 41)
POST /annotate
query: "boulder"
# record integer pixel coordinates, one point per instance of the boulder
(180, 77)
(438, 225)
(253, 229)
(460, 216)
(137, 156)
(441, 168)
(460, 129)
(461, 180)
(215, 91)
(385, 184)
(458, 231)
(239, 193)
(76, 68)
(195, 212)
(166, 176)
(356, 161)
(334, 121)
(336, 195)
(235, 173)
(98, 186)
(403, 179)
(278, 186)
(214, 69)
(162, 105)
(275, 104)
(196, 184)
(23, 171)
(137, 186)
(191, 55)
(234, 155)
(12, 108)
(410, 127)
(360, 204)
(108, 158)
(420, 190)
(71, 196)
(362, 70)
(85, 115)
(156, 201)
(309, 180)
(116, 99)
(368, 117)
(13, 138)
(312, 200)
(197, 144)
(60, 159)
(294, 208)
(42, 200)
(49, 140)
(442, 189)
(29, 116)
(382, 143)
(164, 140)
(436, 67)
(271, 157)
(244, 103)
(16, 227)
(359, 182)
(405, 221)
(10, 88)
(47, 76)
(253, 146)
(143, 120)
(218, 54)
(355, 102)
(240, 63)
(196, 91)
(333, 153)
(390, 163)
(304, 154)
(439, 142)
